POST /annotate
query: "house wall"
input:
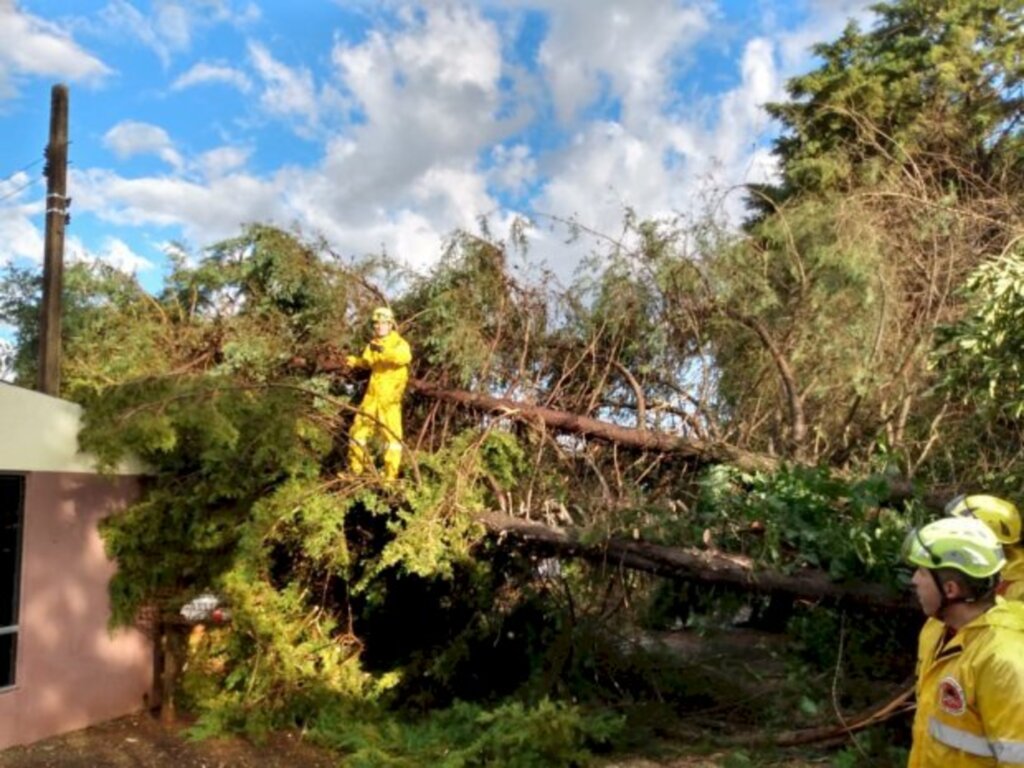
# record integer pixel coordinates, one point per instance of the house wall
(40, 433)
(71, 670)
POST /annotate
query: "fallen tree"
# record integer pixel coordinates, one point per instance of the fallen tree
(708, 566)
(699, 451)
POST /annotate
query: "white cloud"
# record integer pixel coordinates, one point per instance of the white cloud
(8, 350)
(205, 73)
(113, 251)
(628, 48)
(741, 118)
(429, 137)
(122, 17)
(428, 95)
(32, 46)
(129, 138)
(428, 141)
(250, 13)
(21, 206)
(222, 160)
(171, 25)
(618, 163)
(21, 238)
(826, 20)
(205, 212)
(287, 92)
(513, 167)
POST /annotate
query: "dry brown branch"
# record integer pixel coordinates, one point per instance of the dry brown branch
(638, 391)
(798, 421)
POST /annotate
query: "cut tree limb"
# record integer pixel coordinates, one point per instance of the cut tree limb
(708, 566)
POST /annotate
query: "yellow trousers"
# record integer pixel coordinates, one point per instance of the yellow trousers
(388, 426)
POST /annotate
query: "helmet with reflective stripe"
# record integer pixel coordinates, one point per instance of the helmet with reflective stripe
(998, 514)
(383, 315)
(962, 543)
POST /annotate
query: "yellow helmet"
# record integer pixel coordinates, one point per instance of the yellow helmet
(383, 315)
(998, 514)
(965, 544)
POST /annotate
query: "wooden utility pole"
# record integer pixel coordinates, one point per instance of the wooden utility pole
(53, 249)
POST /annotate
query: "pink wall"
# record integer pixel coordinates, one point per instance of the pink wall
(71, 670)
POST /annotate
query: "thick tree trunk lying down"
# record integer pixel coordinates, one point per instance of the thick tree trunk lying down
(706, 566)
(700, 451)
(692, 449)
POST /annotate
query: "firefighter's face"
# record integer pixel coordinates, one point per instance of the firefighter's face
(927, 590)
(381, 328)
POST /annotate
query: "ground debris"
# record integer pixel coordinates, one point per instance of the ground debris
(142, 740)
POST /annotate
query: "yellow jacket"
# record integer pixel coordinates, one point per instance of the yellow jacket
(1012, 585)
(933, 634)
(389, 370)
(932, 637)
(970, 709)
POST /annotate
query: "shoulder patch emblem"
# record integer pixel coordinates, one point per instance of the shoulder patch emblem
(951, 696)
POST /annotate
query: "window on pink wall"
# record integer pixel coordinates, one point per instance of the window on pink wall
(12, 495)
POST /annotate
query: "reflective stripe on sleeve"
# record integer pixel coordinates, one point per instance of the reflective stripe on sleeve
(1009, 752)
(394, 446)
(965, 741)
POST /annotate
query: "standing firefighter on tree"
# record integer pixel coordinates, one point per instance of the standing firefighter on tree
(387, 357)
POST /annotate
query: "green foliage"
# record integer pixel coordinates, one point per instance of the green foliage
(812, 280)
(873, 749)
(471, 313)
(805, 517)
(96, 301)
(981, 357)
(467, 735)
(863, 647)
(246, 496)
(932, 77)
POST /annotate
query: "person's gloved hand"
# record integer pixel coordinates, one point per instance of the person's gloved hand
(376, 346)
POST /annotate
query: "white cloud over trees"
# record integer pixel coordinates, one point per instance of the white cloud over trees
(430, 119)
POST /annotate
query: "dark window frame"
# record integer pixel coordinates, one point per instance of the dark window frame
(16, 483)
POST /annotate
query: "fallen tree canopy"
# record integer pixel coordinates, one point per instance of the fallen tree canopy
(706, 566)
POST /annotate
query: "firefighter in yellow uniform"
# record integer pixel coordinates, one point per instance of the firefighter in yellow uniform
(1004, 520)
(387, 357)
(971, 686)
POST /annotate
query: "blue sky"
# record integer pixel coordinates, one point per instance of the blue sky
(383, 124)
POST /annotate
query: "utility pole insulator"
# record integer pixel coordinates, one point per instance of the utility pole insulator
(53, 250)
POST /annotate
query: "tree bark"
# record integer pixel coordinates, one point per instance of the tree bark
(708, 566)
(701, 452)
(693, 449)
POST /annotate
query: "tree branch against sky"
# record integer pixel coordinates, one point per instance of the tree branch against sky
(387, 125)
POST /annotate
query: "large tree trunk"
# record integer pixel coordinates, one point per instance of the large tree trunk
(699, 451)
(706, 566)
(692, 449)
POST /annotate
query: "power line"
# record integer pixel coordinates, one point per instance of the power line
(12, 193)
(24, 168)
